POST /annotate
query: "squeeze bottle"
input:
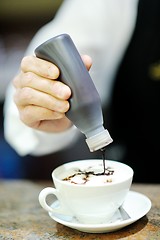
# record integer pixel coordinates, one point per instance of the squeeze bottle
(85, 105)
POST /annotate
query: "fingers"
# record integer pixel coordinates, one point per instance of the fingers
(51, 87)
(44, 119)
(29, 96)
(39, 67)
(45, 68)
(87, 61)
(40, 97)
(31, 114)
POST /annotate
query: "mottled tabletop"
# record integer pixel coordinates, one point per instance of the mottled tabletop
(22, 217)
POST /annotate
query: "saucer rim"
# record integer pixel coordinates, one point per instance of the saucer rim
(103, 227)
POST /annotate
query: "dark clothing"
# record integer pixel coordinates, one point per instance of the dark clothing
(135, 109)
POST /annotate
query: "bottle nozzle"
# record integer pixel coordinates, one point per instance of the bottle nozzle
(99, 140)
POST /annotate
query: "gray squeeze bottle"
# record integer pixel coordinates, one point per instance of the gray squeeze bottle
(85, 105)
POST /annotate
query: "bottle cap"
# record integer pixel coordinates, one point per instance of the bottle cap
(99, 140)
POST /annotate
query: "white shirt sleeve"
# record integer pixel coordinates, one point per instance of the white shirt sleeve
(101, 29)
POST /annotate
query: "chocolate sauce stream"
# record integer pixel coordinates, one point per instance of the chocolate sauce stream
(103, 150)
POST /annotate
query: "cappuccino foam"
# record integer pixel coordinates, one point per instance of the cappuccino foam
(93, 175)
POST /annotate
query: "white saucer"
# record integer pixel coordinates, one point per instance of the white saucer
(136, 205)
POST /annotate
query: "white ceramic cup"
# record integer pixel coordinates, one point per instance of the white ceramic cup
(93, 203)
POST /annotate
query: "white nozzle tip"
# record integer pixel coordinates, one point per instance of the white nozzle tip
(99, 141)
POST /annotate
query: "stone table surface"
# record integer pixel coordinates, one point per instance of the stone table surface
(22, 217)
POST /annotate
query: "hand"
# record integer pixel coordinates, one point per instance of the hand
(41, 99)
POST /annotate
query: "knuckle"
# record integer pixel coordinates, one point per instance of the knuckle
(25, 115)
(23, 96)
(29, 78)
(26, 93)
(15, 82)
(25, 62)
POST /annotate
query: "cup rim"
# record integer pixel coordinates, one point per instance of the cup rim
(130, 177)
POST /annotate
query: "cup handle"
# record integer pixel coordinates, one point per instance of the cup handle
(42, 200)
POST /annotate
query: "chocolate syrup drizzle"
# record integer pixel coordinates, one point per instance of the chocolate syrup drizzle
(106, 171)
(103, 150)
